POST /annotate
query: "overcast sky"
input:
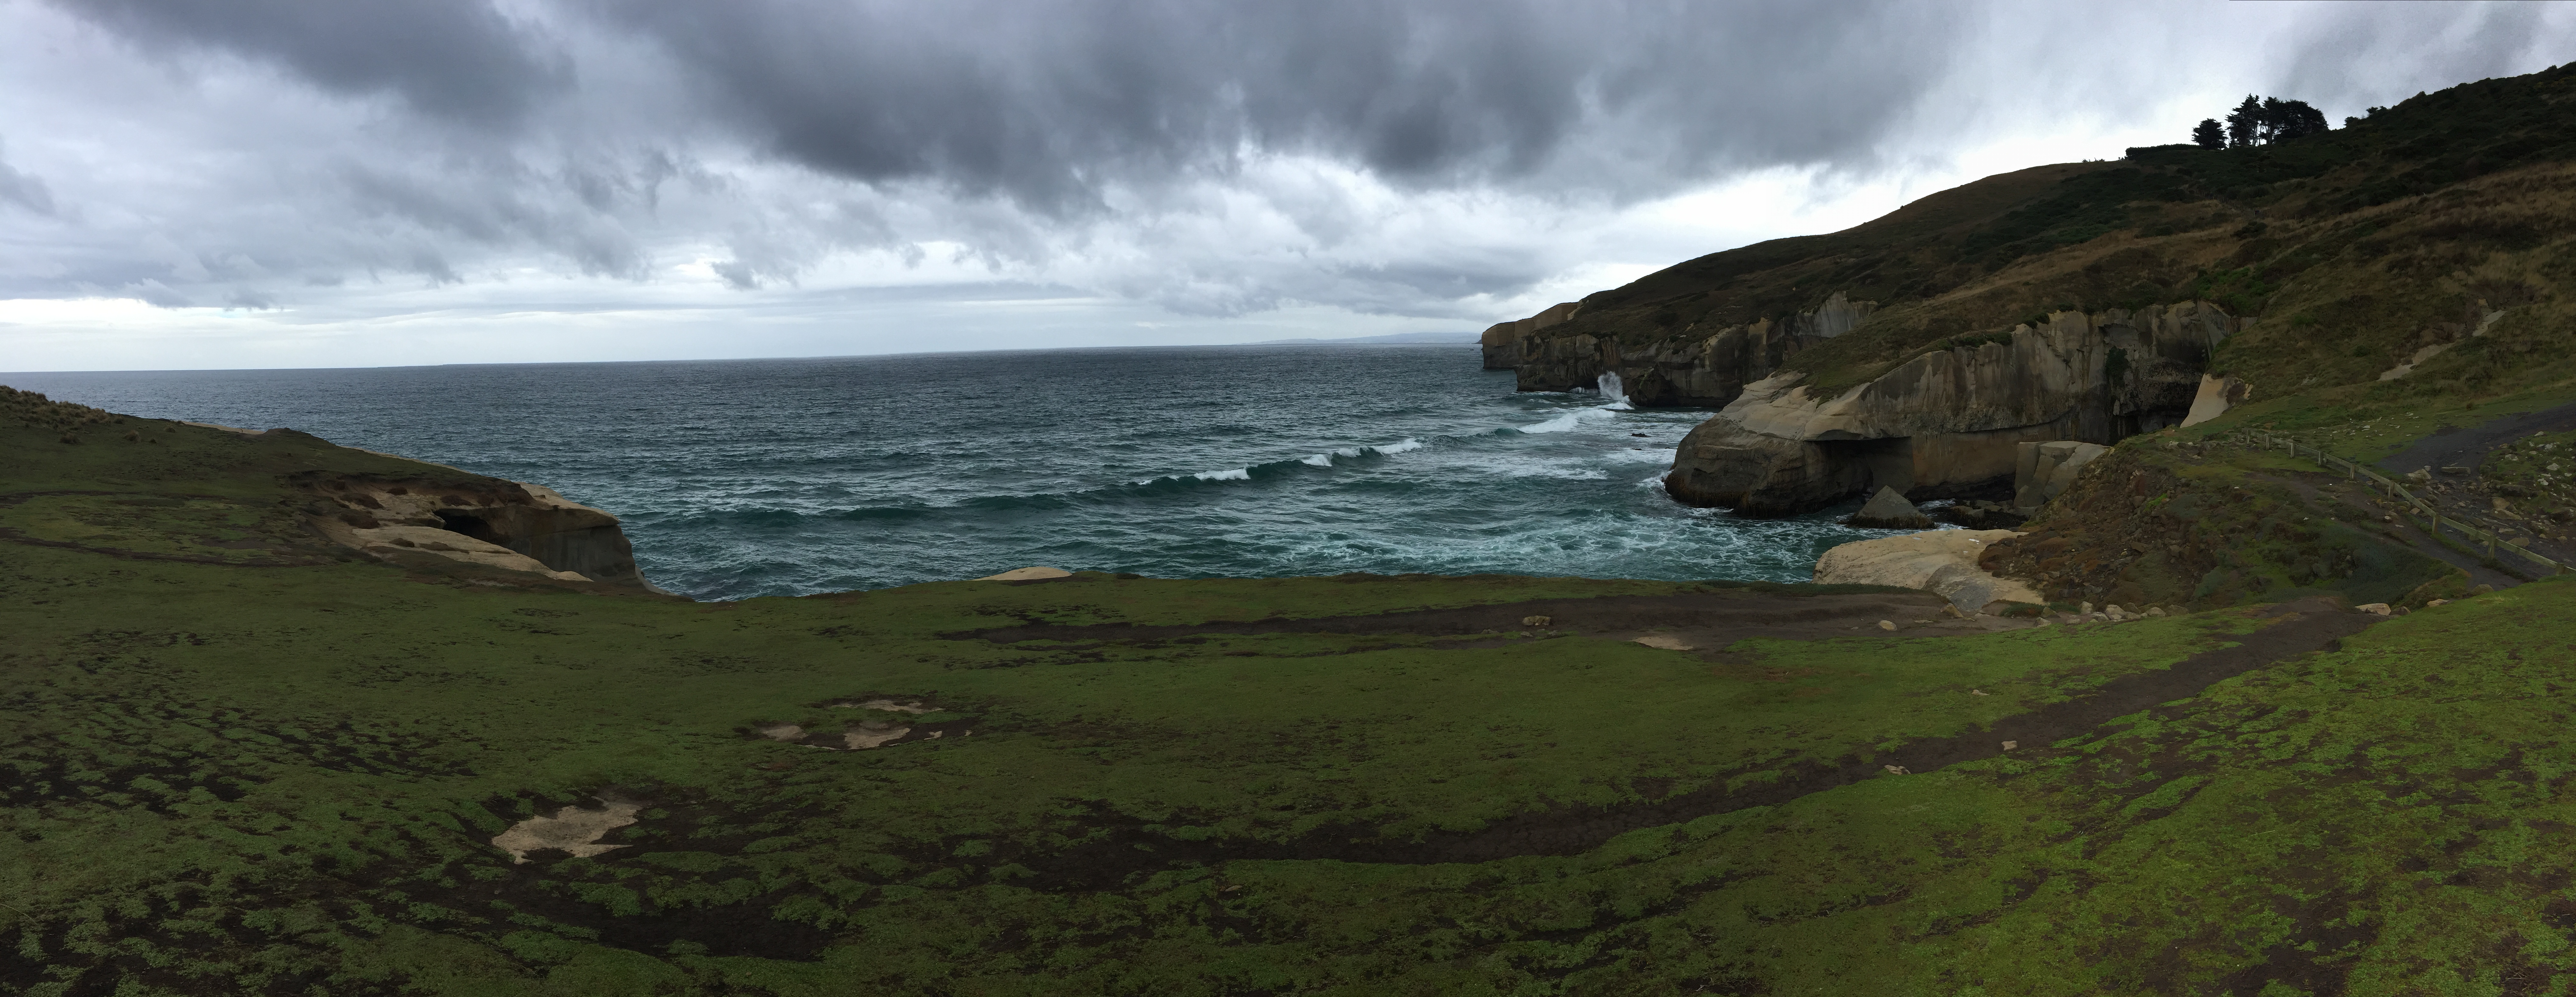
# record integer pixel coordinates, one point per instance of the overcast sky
(288, 183)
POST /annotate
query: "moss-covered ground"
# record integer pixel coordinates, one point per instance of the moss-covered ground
(234, 759)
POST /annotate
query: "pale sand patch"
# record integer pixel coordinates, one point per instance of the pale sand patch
(571, 829)
(872, 735)
(1665, 643)
(1026, 575)
(887, 705)
(782, 732)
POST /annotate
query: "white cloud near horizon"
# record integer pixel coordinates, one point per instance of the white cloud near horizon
(281, 184)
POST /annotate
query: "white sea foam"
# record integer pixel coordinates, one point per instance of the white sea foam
(1319, 460)
(1237, 474)
(1635, 455)
(1400, 446)
(1611, 389)
(1560, 424)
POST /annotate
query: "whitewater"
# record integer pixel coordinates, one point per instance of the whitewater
(791, 477)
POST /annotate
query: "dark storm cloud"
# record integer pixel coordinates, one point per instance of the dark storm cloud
(457, 59)
(1046, 102)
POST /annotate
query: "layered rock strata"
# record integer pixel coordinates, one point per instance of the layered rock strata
(1694, 367)
(1502, 340)
(1949, 422)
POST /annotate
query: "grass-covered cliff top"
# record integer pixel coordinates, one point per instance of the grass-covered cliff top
(235, 759)
(2374, 239)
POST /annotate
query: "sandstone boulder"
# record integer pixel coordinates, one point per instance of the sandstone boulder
(1941, 561)
(1888, 510)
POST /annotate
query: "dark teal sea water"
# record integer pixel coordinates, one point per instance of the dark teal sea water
(788, 477)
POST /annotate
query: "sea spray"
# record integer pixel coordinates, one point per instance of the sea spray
(1610, 388)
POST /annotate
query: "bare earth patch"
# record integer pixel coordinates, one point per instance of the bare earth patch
(572, 829)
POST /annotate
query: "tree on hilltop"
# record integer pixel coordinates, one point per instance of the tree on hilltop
(2261, 121)
(2244, 125)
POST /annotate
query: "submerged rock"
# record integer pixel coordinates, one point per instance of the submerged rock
(1888, 510)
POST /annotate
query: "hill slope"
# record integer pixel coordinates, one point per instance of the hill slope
(2357, 247)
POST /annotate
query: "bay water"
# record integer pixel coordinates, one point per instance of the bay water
(790, 477)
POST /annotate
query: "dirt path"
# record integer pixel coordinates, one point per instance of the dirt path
(1710, 620)
(2452, 446)
(2365, 509)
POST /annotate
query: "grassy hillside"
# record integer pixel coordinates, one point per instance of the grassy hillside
(2353, 247)
(234, 759)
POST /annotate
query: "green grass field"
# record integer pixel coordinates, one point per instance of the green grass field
(235, 759)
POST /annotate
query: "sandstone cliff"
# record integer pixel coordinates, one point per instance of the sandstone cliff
(1947, 422)
(1707, 368)
(1502, 340)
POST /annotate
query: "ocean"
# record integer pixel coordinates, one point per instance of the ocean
(791, 477)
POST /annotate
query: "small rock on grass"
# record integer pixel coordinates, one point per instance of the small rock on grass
(1897, 770)
(2379, 608)
(1537, 621)
(1887, 624)
(2009, 745)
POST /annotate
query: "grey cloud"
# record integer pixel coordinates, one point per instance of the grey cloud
(25, 190)
(250, 299)
(508, 209)
(458, 59)
(2369, 55)
(1046, 103)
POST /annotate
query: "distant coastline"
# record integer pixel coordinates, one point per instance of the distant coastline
(1392, 339)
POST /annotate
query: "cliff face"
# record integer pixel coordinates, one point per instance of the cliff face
(1502, 340)
(1706, 370)
(1947, 422)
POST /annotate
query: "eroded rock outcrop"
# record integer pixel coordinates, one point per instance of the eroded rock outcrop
(1694, 367)
(1502, 340)
(508, 525)
(1949, 422)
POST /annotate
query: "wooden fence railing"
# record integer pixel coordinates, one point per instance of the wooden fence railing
(2432, 515)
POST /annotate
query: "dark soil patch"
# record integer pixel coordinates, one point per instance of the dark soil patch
(1731, 615)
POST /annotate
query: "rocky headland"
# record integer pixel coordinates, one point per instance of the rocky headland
(1951, 421)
